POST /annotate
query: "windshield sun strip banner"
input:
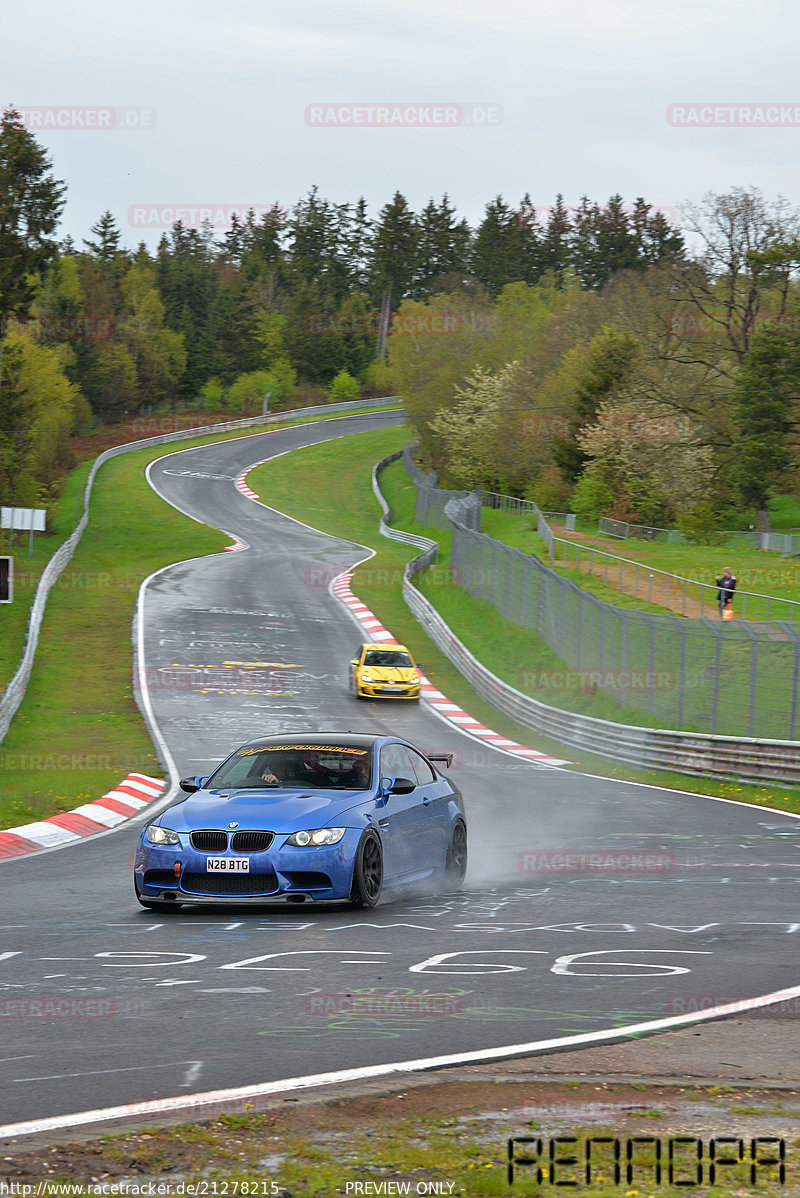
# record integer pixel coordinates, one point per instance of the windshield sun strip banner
(347, 750)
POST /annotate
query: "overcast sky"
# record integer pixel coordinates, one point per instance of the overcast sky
(249, 102)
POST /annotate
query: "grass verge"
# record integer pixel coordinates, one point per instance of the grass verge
(342, 504)
(442, 1140)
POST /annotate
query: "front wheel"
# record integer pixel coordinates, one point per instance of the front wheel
(455, 867)
(367, 872)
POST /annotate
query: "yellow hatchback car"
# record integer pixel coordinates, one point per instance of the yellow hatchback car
(384, 671)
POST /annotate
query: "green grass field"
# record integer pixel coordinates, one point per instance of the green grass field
(28, 570)
(78, 731)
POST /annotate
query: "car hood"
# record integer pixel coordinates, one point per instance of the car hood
(275, 809)
(390, 673)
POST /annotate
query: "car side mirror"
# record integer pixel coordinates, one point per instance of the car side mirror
(398, 786)
(355, 662)
(190, 785)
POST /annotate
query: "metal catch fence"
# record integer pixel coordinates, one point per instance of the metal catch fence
(698, 674)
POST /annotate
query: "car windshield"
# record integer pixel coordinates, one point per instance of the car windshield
(307, 767)
(387, 657)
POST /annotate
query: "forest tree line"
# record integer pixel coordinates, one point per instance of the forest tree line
(592, 355)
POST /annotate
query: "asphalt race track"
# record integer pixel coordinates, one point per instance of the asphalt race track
(700, 908)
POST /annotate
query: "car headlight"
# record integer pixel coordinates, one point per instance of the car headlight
(367, 678)
(158, 835)
(316, 837)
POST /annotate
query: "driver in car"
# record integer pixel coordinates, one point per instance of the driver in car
(320, 769)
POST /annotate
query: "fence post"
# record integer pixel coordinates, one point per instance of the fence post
(600, 631)
(682, 677)
(578, 631)
(751, 706)
(795, 670)
(509, 571)
(717, 630)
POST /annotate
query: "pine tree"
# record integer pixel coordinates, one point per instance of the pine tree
(442, 249)
(106, 247)
(497, 251)
(395, 248)
(766, 401)
(531, 241)
(358, 246)
(31, 202)
(555, 253)
(656, 241)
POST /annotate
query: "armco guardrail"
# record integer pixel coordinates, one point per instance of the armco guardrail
(15, 691)
(384, 528)
(748, 758)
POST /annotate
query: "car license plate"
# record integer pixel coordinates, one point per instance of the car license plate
(389, 690)
(228, 865)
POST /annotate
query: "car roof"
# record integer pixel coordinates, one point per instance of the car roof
(343, 740)
(395, 645)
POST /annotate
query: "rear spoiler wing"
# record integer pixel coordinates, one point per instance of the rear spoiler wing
(447, 758)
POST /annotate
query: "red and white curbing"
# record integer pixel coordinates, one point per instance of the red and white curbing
(439, 702)
(241, 484)
(114, 808)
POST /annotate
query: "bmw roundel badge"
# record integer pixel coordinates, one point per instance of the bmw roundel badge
(233, 825)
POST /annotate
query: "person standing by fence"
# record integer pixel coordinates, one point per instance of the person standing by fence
(726, 584)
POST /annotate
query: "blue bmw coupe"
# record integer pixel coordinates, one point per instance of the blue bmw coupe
(310, 817)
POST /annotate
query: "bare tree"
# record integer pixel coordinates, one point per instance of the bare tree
(748, 252)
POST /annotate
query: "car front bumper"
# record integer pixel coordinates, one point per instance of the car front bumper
(280, 873)
(381, 690)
